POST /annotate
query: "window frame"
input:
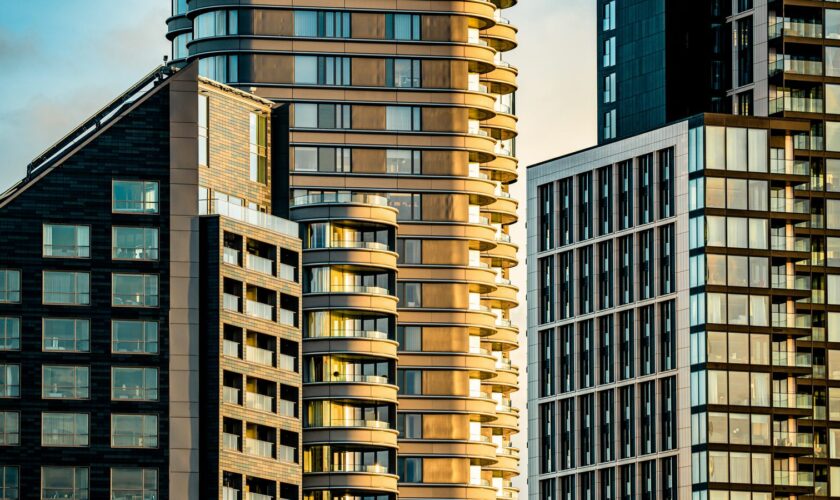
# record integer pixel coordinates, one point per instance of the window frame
(79, 392)
(5, 291)
(145, 303)
(5, 340)
(155, 251)
(148, 394)
(75, 477)
(144, 416)
(76, 434)
(78, 248)
(144, 211)
(144, 323)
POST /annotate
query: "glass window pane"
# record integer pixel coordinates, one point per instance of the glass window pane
(739, 388)
(737, 271)
(715, 148)
(832, 214)
(736, 149)
(758, 195)
(739, 428)
(716, 192)
(736, 232)
(716, 231)
(716, 269)
(832, 136)
(738, 309)
(832, 175)
(736, 194)
(757, 150)
(306, 70)
(758, 234)
(832, 61)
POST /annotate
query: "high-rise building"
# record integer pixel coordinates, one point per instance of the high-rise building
(684, 340)
(150, 305)
(401, 149)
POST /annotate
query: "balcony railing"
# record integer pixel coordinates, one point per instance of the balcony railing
(285, 453)
(230, 441)
(790, 167)
(363, 334)
(796, 105)
(259, 310)
(368, 424)
(790, 282)
(286, 408)
(259, 401)
(479, 219)
(790, 205)
(793, 478)
(790, 243)
(287, 272)
(332, 198)
(793, 439)
(791, 320)
(260, 264)
(230, 395)
(786, 27)
(258, 355)
(790, 400)
(230, 256)
(231, 302)
(793, 359)
(259, 448)
(288, 318)
(286, 362)
(796, 66)
(229, 493)
(230, 348)
(249, 216)
(357, 377)
(258, 496)
(375, 290)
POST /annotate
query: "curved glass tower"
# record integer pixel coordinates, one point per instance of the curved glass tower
(401, 149)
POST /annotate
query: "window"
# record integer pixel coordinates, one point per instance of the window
(178, 7)
(546, 436)
(203, 126)
(322, 70)
(410, 382)
(410, 425)
(62, 334)
(605, 200)
(566, 211)
(832, 24)
(406, 118)
(66, 241)
(9, 430)
(410, 294)
(218, 23)
(402, 161)
(609, 52)
(134, 243)
(410, 251)
(410, 338)
(223, 69)
(9, 483)
(323, 24)
(138, 197)
(609, 88)
(609, 124)
(65, 382)
(403, 73)
(565, 285)
(402, 27)
(138, 384)
(134, 337)
(134, 484)
(258, 140)
(9, 286)
(134, 290)
(66, 288)
(312, 159)
(408, 205)
(546, 215)
(625, 193)
(666, 183)
(326, 116)
(546, 280)
(410, 469)
(179, 46)
(9, 381)
(609, 16)
(134, 431)
(64, 429)
(585, 200)
(547, 363)
(9, 334)
(65, 482)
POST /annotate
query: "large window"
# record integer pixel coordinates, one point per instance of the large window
(64, 429)
(65, 382)
(403, 73)
(410, 382)
(322, 70)
(410, 425)
(134, 243)
(135, 197)
(134, 431)
(139, 384)
(9, 334)
(223, 69)
(546, 216)
(9, 429)
(9, 381)
(410, 469)
(410, 294)
(65, 482)
(408, 205)
(258, 139)
(403, 161)
(9, 483)
(134, 290)
(403, 118)
(64, 240)
(314, 159)
(9, 286)
(66, 334)
(66, 288)
(218, 23)
(324, 24)
(134, 337)
(402, 27)
(134, 484)
(410, 338)
(327, 116)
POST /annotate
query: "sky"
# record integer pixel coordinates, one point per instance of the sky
(63, 61)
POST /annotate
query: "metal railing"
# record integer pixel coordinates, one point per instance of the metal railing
(249, 216)
(793, 478)
(230, 256)
(259, 401)
(796, 105)
(790, 400)
(792, 359)
(259, 310)
(230, 395)
(258, 355)
(230, 441)
(259, 448)
(797, 66)
(287, 272)
(230, 348)
(781, 26)
(793, 439)
(231, 302)
(332, 198)
(288, 318)
(260, 264)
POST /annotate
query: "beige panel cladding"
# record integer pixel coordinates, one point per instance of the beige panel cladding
(444, 28)
(445, 119)
(369, 161)
(366, 25)
(445, 383)
(451, 426)
(446, 470)
(445, 252)
(369, 117)
(445, 339)
(445, 207)
(368, 72)
(445, 163)
(277, 68)
(445, 295)
(183, 288)
(444, 74)
(273, 22)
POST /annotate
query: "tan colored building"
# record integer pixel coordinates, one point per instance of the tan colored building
(400, 150)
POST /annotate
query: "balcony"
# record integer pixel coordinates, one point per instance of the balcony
(790, 243)
(374, 290)
(793, 478)
(259, 448)
(288, 318)
(792, 359)
(796, 105)
(796, 66)
(790, 282)
(259, 356)
(287, 272)
(230, 256)
(358, 378)
(334, 198)
(359, 334)
(479, 219)
(790, 167)
(789, 400)
(791, 320)
(230, 441)
(230, 348)
(230, 395)
(229, 493)
(286, 408)
(260, 402)
(785, 27)
(258, 496)
(365, 424)
(479, 438)
(286, 453)
(286, 362)
(231, 302)
(259, 310)
(249, 216)
(793, 439)
(260, 264)
(790, 205)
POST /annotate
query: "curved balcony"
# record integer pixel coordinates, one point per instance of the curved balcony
(507, 461)
(481, 320)
(504, 297)
(360, 390)
(377, 344)
(503, 168)
(504, 253)
(501, 36)
(480, 452)
(502, 126)
(502, 79)
(364, 298)
(343, 206)
(449, 491)
(480, 364)
(356, 477)
(482, 278)
(367, 254)
(503, 210)
(364, 432)
(481, 234)
(478, 404)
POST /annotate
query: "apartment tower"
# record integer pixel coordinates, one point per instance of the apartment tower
(400, 149)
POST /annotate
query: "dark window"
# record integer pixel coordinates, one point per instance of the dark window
(547, 438)
(668, 474)
(647, 413)
(744, 5)
(666, 183)
(625, 270)
(587, 430)
(605, 275)
(567, 488)
(647, 341)
(546, 363)
(668, 334)
(567, 358)
(585, 206)
(586, 280)
(547, 490)
(606, 418)
(546, 200)
(667, 258)
(625, 195)
(586, 366)
(565, 219)
(567, 433)
(646, 263)
(627, 351)
(608, 484)
(745, 100)
(627, 400)
(547, 290)
(668, 407)
(745, 51)
(565, 284)
(648, 480)
(646, 189)
(587, 485)
(403, 73)
(605, 200)
(605, 334)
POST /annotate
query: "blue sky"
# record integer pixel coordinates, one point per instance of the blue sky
(64, 60)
